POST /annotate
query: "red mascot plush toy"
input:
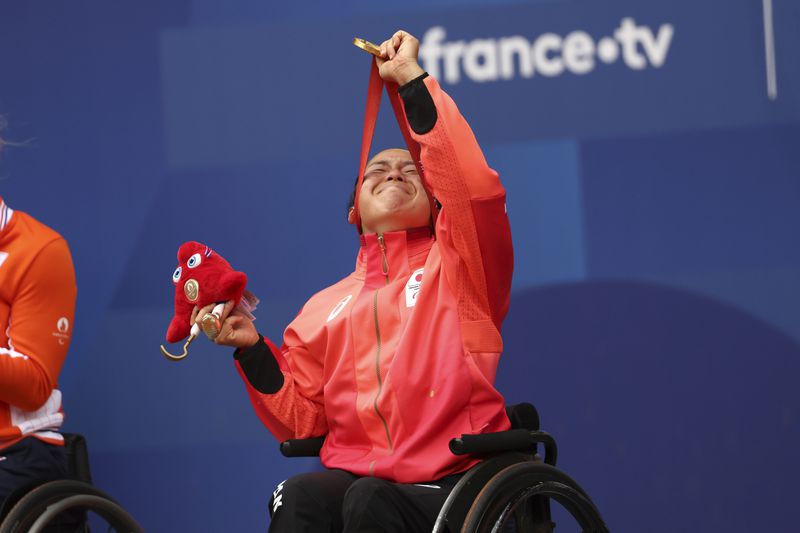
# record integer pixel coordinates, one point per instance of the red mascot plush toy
(203, 277)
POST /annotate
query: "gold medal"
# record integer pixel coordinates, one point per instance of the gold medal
(191, 289)
(211, 325)
(367, 46)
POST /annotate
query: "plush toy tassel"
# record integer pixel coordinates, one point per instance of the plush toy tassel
(192, 336)
(214, 319)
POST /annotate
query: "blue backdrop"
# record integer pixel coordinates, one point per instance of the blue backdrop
(651, 156)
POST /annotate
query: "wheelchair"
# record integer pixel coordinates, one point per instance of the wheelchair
(510, 490)
(62, 505)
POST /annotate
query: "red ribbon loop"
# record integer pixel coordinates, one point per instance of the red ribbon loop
(374, 93)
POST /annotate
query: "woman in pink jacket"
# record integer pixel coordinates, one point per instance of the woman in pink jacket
(400, 356)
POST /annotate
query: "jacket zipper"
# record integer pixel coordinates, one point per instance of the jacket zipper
(378, 370)
(384, 263)
(385, 270)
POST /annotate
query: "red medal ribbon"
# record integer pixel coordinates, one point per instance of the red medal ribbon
(374, 93)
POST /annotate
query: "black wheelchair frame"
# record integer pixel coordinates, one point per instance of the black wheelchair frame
(510, 489)
(63, 504)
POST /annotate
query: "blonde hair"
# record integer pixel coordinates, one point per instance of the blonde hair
(5, 142)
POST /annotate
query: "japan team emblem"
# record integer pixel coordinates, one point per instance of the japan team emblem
(412, 287)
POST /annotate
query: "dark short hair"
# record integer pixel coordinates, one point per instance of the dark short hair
(352, 201)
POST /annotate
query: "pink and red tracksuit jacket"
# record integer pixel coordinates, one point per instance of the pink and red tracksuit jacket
(392, 363)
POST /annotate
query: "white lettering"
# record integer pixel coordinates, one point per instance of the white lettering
(431, 50)
(656, 48)
(480, 60)
(579, 52)
(542, 61)
(3, 257)
(628, 36)
(551, 55)
(452, 53)
(509, 46)
(277, 497)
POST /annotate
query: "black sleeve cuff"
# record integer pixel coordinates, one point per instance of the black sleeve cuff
(420, 109)
(260, 366)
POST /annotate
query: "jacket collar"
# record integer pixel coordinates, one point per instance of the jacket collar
(392, 255)
(5, 214)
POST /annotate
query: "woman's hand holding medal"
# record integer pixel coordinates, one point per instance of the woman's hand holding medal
(398, 60)
(235, 329)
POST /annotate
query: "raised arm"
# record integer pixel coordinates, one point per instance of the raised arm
(472, 228)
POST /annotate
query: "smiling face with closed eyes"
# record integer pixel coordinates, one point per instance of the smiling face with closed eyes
(392, 196)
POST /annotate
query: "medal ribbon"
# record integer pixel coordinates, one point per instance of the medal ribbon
(374, 92)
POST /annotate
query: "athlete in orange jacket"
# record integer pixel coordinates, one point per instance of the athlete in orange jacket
(399, 357)
(37, 304)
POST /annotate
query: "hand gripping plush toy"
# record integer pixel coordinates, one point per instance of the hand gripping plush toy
(203, 277)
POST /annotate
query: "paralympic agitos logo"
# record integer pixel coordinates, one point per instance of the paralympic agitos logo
(549, 54)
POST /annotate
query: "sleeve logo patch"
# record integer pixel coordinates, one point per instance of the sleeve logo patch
(413, 286)
(3, 257)
(62, 325)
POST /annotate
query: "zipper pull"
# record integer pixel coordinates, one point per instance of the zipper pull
(385, 264)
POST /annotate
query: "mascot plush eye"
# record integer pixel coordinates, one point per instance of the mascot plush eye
(176, 276)
(194, 261)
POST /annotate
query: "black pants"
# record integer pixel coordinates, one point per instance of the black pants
(30, 461)
(336, 501)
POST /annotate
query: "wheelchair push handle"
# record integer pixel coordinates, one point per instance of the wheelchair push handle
(524, 437)
(505, 441)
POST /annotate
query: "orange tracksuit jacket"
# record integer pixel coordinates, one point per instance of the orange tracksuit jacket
(37, 305)
(392, 363)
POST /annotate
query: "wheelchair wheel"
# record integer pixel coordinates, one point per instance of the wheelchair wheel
(517, 498)
(40, 506)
